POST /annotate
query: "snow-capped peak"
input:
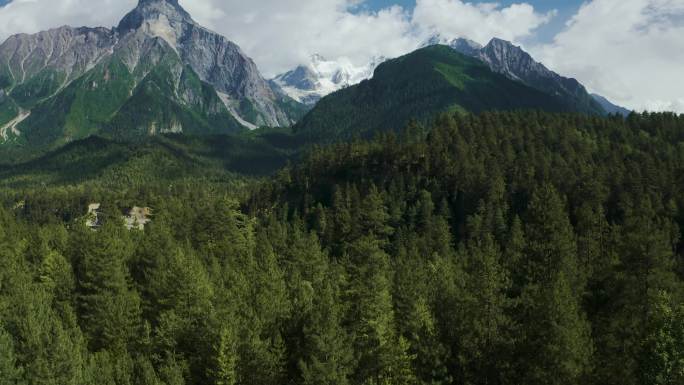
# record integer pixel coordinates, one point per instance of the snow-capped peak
(460, 44)
(319, 77)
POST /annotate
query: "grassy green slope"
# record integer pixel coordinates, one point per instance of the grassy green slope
(418, 86)
(154, 105)
(81, 108)
(41, 86)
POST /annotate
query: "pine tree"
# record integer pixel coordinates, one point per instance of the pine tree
(646, 268)
(416, 323)
(224, 366)
(485, 313)
(550, 240)
(326, 357)
(555, 346)
(380, 356)
(557, 342)
(374, 215)
(662, 358)
(109, 309)
(10, 371)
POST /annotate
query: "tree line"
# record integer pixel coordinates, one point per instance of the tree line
(499, 248)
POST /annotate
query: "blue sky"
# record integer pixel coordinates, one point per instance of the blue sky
(565, 8)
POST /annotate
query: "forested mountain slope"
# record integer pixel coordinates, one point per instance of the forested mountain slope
(416, 87)
(500, 248)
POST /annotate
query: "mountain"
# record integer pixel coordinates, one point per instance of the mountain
(609, 106)
(467, 47)
(418, 86)
(309, 83)
(512, 61)
(158, 71)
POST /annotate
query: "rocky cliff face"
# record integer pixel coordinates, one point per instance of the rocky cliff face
(60, 54)
(512, 61)
(179, 75)
(214, 58)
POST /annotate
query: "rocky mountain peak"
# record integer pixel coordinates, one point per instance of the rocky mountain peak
(157, 52)
(160, 14)
(141, 2)
(513, 62)
(466, 46)
(503, 47)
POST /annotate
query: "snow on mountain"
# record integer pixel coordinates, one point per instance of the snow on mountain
(308, 83)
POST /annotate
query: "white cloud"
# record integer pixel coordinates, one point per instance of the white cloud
(30, 16)
(630, 51)
(279, 34)
(479, 22)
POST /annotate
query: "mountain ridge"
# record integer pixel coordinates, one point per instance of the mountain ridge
(418, 86)
(203, 78)
(515, 63)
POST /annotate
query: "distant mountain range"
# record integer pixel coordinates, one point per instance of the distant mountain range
(157, 71)
(309, 83)
(512, 61)
(160, 72)
(418, 86)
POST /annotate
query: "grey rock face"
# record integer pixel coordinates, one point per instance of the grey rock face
(466, 47)
(222, 64)
(512, 61)
(65, 50)
(64, 54)
(302, 77)
(214, 58)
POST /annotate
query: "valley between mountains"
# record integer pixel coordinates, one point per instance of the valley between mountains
(159, 72)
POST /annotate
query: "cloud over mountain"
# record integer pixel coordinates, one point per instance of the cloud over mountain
(280, 34)
(630, 51)
(609, 44)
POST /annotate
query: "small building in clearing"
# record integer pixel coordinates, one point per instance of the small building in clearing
(138, 217)
(134, 218)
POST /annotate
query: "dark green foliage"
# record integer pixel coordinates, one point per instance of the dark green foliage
(39, 87)
(101, 161)
(109, 310)
(492, 249)
(10, 373)
(565, 229)
(662, 360)
(8, 110)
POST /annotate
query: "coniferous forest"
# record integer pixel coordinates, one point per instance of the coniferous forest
(499, 248)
